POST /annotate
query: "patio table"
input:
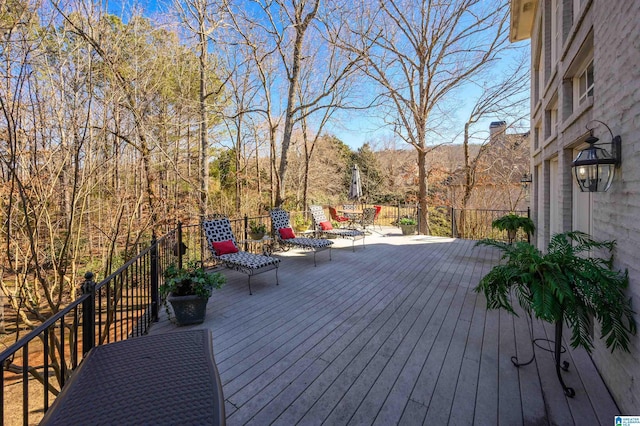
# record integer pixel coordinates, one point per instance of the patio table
(266, 244)
(159, 379)
(355, 216)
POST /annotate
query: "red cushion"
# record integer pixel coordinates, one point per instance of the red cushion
(286, 233)
(224, 247)
(326, 226)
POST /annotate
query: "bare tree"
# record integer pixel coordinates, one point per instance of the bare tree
(46, 163)
(201, 17)
(503, 100)
(421, 53)
(286, 34)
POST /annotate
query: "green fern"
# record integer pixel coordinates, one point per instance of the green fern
(564, 283)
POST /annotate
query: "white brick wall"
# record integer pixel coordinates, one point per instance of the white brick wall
(616, 213)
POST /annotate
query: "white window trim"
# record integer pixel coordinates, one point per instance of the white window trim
(556, 36)
(553, 118)
(576, 9)
(579, 99)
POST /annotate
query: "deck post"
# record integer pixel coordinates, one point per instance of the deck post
(529, 216)
(88, 313)
(179, 244)
(246, 236)
(154, 278)
(453, 222)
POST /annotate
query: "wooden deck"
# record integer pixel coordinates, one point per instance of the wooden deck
(389, 334)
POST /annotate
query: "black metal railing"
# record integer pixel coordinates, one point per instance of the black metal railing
(475, 224)
(121, 306)
(124, 305)
(471, 224)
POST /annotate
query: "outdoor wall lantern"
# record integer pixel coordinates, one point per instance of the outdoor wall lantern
(526, 180)
(594, 167)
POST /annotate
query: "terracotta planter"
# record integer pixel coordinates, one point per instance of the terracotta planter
(256, 235)
(408, 229)
(300, 228)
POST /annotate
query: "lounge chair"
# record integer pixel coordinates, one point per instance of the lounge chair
(219, 233)
(323, 226)
(282, 228)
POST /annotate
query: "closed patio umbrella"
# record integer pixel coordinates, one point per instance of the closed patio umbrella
(355, 189)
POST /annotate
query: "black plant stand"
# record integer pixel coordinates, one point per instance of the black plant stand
(558, 349)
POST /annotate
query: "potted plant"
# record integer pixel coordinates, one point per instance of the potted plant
(512, 223)
(564, 284)
(257, 230)
(188, 290)
(408, 225)
(300, 223)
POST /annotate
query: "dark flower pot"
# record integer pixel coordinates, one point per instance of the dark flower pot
(188, 309)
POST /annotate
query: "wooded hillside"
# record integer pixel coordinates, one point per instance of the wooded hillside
(114, 127)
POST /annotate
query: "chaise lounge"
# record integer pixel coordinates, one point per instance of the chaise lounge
(285, 236)
(323, 226)
(224, 249)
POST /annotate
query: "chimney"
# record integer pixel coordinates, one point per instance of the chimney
(496, 128)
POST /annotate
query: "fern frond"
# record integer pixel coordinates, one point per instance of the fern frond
(563, 283)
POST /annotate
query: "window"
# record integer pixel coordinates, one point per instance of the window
(555, 224)
(541, 76)
(576, 9)
(553, 122)
(581, 74)
(584, 83)
(551, 118)
(556, 30)
(567, 98)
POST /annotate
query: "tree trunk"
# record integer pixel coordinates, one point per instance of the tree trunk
(202, 163)
(237, 159)
(423, 193)
(294, 82)
(305, 178)
(288, 127)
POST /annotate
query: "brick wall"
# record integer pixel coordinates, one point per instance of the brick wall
(616, 214)
(615, 28)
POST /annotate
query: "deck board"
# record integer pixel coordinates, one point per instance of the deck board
(392, 333)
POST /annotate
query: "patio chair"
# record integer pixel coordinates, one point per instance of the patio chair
(368, 216)
(323, 226)
(375, 217)
(336, 217)
(224, 249)
(282, 229)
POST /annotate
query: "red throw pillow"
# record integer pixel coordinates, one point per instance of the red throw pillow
(286, 233)
(326, 226)
(224, 247)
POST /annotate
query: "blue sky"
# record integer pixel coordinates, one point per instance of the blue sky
(357, 128)
(362, 127)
